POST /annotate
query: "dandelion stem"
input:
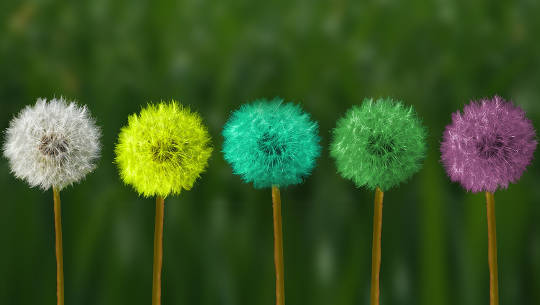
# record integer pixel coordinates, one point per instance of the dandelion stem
(278, 246)
(492, 250)
(376, 246)
(158, 251)
(58, 247)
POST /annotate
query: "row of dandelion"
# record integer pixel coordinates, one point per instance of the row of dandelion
(272, 144)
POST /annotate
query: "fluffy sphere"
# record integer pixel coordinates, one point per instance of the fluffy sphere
(52, 144)
(379, 144)
(488, 146)
(271, 143)
(163, 150)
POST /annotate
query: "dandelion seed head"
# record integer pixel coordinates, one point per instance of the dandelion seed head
(53, 143)
(163, 149)
(488, 146)
(271, 143)
(378, 144)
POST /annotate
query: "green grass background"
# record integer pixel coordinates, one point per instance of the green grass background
(115, 56)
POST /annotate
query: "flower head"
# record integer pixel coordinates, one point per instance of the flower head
(271, 143)
(488, 146)
(52, 143)
(379, 144)
(163, 150)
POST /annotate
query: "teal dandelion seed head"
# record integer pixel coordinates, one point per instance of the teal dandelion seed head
(271, 143)
(379, 144)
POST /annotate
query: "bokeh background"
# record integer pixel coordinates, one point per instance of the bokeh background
(115, 56)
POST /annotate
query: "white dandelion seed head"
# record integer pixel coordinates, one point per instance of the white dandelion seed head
(52, 143)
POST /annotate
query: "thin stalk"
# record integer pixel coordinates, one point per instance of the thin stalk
(376, 246)
(492, 250)
(158, 251)
(58, 247)
(278, 246)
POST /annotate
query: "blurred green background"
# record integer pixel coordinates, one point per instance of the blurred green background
(115, 56)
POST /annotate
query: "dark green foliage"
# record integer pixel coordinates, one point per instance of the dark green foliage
(115, 56)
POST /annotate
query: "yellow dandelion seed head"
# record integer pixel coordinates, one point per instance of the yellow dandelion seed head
(163, 149)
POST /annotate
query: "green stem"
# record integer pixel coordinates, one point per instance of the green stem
(492, 250)
(158, 251)
(58, 248)
(376, 246)
(278, 246)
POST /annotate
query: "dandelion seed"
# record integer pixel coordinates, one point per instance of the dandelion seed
(378, 144)
(488, 146)
(53, 144)
(272, 144)
(161, 152)
(485, 148)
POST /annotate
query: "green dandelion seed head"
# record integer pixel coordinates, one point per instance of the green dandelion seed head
(163, 149)
(379, 144)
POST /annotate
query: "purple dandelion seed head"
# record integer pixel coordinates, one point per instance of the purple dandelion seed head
(488, 146)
